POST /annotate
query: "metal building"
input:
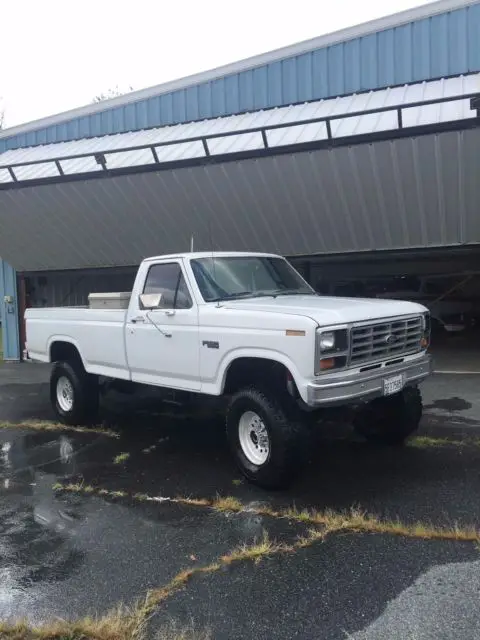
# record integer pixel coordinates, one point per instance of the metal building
(361, 141)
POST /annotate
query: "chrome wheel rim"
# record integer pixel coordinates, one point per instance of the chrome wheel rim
(64, 394)
(254, 438)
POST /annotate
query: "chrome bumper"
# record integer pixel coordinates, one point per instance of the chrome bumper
(357, 387)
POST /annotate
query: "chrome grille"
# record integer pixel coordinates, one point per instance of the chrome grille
(387, 339)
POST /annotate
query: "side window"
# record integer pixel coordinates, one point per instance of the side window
(168, 280)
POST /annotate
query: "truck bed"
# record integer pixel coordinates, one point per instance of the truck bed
(99, 332)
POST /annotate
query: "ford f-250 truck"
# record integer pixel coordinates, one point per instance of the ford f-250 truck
(248, 327)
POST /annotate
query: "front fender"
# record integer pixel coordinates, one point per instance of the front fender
(265, 354)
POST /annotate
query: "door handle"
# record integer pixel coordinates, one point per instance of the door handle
(138, 319)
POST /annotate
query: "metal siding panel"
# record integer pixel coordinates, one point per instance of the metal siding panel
(41, 136)
(218, 98)
(72, 128)
(260, 88)
(421, 49)
(368, 62)
(118, 119)
(457, 46)
(352, 66)
(289, 81)
(107, 121)
(321, 84)
(28, 139)
(403, 70)
(246, 90)
(438, 46)
(129, 115)
(304, 64)
(336, 69)
(179, 112)
(9, 312)
(468, 146)
(164, 109)
(473, 26)
(141, 115)
(192, 103)
(231, 95)
(153, 109)
(205, 98)
(386, 58)
(274, 84)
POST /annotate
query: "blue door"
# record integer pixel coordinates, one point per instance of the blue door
(9, 313)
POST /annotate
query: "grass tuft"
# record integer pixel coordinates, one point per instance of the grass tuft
(426, 442)
(122, 457)
(121, 623)
(256, 551)
(47, 425)
(228, 503)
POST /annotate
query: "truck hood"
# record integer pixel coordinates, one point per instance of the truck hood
(329, 311)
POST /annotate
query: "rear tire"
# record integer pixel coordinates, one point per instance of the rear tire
(74, 393)
(266, 444)
(390, 421)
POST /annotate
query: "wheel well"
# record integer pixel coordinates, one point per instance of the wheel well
(64, 352)
(246, 371)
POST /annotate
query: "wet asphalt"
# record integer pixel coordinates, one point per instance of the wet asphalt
(71, 554)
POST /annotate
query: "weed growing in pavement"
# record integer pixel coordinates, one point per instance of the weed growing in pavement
(121, 623)
(46, 425)
(427, 442)
(122, 457)
(354, 519)
(228, 503)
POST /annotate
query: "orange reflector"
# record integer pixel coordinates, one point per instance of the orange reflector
(294, 332)
(424, 343)
(327, 363)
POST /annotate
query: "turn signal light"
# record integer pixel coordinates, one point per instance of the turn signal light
(327, 363)
(424, 343)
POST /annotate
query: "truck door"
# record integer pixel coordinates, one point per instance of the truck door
(162, 344)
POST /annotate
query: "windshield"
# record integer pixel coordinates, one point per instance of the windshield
(229, 278)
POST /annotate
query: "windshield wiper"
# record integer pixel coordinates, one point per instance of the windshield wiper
(232, 296)
(291, 292)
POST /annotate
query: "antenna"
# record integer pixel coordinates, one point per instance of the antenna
(191, 244)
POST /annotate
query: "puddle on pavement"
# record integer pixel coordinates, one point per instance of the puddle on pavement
(68, 555)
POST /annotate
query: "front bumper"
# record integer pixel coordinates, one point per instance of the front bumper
(357, 386)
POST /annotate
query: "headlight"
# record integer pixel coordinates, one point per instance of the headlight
(327, 341)
(331, 350)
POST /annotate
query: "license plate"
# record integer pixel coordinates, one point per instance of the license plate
(394, 384)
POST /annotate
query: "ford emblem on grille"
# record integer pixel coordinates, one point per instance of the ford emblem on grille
(391, 338)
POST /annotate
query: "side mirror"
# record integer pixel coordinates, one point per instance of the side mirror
(150, 301)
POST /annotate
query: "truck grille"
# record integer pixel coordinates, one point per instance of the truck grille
(385, 340)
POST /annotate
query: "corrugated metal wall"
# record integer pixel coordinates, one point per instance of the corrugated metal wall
(442, 45)
(9, 312)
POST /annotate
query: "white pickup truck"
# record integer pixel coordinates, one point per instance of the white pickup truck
(248, 327)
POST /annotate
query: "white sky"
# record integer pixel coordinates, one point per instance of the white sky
(58, 54)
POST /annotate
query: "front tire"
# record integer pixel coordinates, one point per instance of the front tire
(74, 393)
(265, 443)
(390, 420)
